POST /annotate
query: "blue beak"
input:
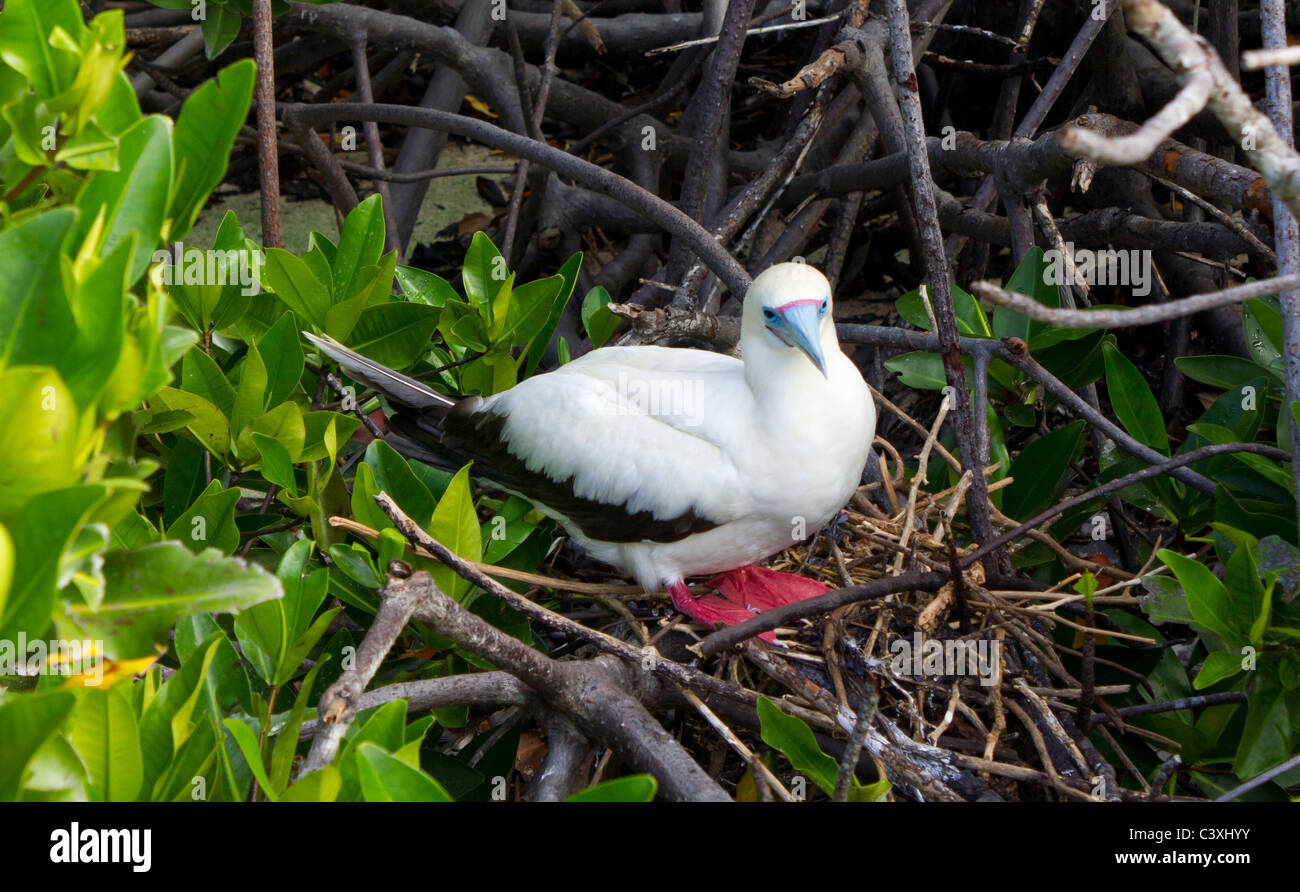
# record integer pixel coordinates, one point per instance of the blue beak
(801, 327)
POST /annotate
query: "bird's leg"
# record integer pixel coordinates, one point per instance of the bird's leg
(710, 609)
(757, 588)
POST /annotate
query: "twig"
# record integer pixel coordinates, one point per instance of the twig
(749, 32)
(268, 156)
(936, 262)
(1148, 314)
(654, 208)
(849, 760)
(1260, 780)
(1155, 470)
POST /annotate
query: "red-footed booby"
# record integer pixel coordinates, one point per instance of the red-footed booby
(670, 462)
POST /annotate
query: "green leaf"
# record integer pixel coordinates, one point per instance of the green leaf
(38, 436)
(264, 637)
(1266, 737)
(1131, 399)
(286, 742)
(1208, 600)
(376, 282)
(246, 740)
(25, 44)
(1039, 470)
(220, 29)
(6, 566)
(286, 424)
(1217, 666)
(394, 334)
(394, 476)
(386, 778)
(209, 522)
(1226, 372)
(633, 788)
(281, 351)
(923, 371)
(91, 149)
(483, 274)
(40, 533)
(174, 713)
(250, 397)
(319, 786)
(277, 467)
(1032, 277)
(529, 309)
(361, 244)
(148, 589)
(970, 318)
(537, 349)
(293, 282)
(28, 255)
(455, 525)
(26, 722)
(203, 377)
(209, 427)
(1262, 326)
(795, 740)
(133, 199)
(105, 736)
(597, 319)
(425, 287)
(353, 561)
(206, 129)
(95, 350)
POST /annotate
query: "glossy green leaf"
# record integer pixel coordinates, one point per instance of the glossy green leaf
(1132, 400)
(633, 788)
(386, 778)
(597, 319)
(26, 723)
(1208, 599)
(209, 522)
(394, 334)
(1038, 471)
(294, 283)
(105, 734)
(133, 199)
(360, 245)
(425, 287)
(281, 351)
(209, 121)
(148, 589)
(795, 740)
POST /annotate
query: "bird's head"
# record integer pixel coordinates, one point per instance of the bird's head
(788, 307)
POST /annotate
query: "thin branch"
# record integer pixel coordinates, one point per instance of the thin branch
(1148, 314)
(1155, 470)
(268, 156)
(654, 208)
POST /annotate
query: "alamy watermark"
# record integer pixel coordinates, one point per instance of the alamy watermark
(657, 396)
(179, 265)
(1085, 266)
(54, 657)
(947, 657)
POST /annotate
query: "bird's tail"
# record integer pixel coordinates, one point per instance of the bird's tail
(398, 388)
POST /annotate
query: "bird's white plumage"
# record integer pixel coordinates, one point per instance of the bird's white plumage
(766, 447)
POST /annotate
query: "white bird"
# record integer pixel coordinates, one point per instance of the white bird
(670, 462)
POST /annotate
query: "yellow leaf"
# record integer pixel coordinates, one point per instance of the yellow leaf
(107, 673)
(480, 106)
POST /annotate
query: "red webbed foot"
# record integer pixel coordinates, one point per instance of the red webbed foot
(745, 592)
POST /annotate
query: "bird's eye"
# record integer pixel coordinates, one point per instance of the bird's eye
(821, 311)
(772, 316)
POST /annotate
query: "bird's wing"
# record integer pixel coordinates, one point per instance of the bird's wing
(637, 444)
